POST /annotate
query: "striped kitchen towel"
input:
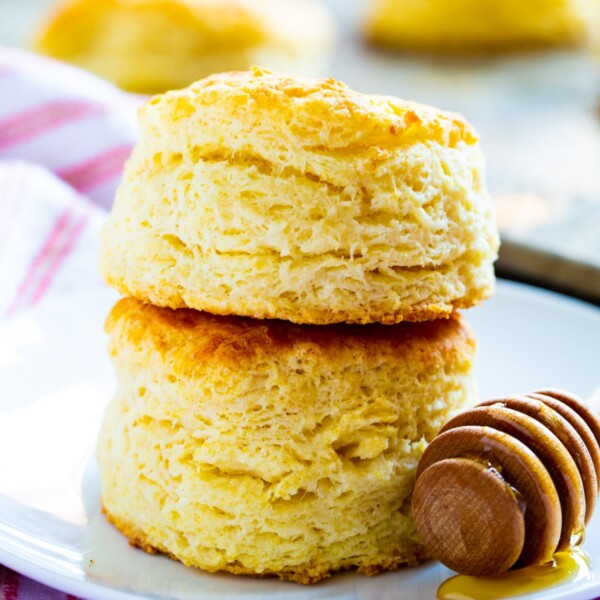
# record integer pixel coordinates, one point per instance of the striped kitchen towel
(64, 138)
(76, 125)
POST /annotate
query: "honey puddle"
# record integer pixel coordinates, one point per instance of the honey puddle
(571, 565)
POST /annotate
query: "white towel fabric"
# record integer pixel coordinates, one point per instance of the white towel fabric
(64, 138)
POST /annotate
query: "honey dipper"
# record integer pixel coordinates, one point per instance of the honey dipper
(509, 483)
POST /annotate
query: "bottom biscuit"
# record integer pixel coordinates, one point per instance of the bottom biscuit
(265, 448)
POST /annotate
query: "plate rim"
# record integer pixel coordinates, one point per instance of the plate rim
(83, 587)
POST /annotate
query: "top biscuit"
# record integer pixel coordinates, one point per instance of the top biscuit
(151, 46)
(271, 196)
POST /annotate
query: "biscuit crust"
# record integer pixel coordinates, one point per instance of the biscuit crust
(272, 196)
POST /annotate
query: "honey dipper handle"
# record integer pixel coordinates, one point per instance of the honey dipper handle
(469, 515)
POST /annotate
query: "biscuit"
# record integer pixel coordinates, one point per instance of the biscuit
(267, 448)
(271, 196)
(476, 25)
(151, 46)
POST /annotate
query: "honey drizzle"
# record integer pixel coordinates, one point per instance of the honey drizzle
(568, 566)
(496, 470)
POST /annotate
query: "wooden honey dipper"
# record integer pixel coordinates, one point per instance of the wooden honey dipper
(509, 483)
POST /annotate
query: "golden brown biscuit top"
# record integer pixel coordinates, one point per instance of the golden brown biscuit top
(325, 113)
(188, 337)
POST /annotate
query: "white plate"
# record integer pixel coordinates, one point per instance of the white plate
(55, 379)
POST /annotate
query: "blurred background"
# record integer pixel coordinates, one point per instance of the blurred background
(537, 111)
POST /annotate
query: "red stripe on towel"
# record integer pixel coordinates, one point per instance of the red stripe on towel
(60, 256)
(33, 122)
(10, 586)
(96, 170)
(36, 264)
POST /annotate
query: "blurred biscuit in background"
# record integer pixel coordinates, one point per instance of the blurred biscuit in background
(150, 46)
(477, 25)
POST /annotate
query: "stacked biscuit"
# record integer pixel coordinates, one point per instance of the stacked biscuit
(276, 236)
